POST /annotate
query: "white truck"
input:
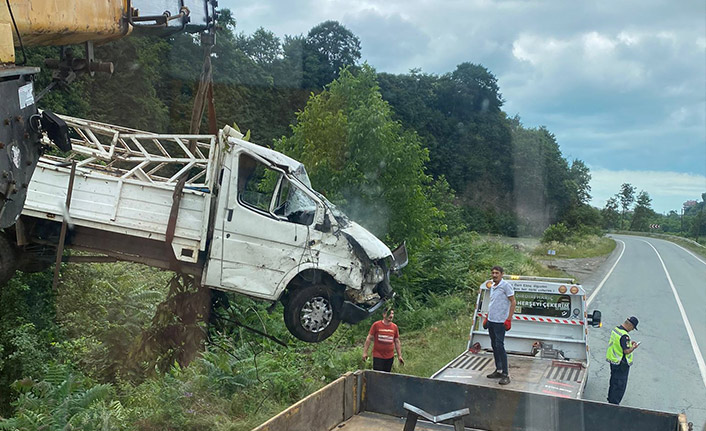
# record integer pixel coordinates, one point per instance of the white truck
(248, 222)
(547, 344)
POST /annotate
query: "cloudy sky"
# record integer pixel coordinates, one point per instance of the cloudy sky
(622, 84)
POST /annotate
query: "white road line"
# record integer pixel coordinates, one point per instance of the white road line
(689, 331)
(695, 256)
(600, 286)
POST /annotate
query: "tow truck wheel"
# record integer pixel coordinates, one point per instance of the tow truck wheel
(8, 260)
(310, 313)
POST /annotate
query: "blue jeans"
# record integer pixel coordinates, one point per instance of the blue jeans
(497, 341)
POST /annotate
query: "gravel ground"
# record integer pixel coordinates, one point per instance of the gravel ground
(581, 269)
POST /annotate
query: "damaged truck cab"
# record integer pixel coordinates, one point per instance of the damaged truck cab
(275, 238)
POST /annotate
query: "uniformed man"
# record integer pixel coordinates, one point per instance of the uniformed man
(619, 354)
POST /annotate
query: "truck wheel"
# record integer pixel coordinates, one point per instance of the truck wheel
(8, 260)
(310, 313)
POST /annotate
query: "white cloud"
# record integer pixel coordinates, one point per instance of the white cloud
(668, 190)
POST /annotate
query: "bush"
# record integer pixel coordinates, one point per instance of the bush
(556, 232)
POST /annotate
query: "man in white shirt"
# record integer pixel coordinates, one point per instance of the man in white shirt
(500, 310)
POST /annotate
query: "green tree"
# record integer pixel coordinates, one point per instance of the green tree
(699, 223)
(28, 331)
(643, 213)
(329, 47)
(543, 190)
(458, 118)
(626, 196)
(363, 160)
(610, 214)
(581, 177)
(263, 47)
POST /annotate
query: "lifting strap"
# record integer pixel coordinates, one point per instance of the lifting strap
(204, 96)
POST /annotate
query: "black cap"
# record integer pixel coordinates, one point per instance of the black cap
(634, 321)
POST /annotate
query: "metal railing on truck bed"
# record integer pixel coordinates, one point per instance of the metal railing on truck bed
(124, 186)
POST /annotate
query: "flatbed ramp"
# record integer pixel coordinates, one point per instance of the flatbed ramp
(559, 378)
(371, 400)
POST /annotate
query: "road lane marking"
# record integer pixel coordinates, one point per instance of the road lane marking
(695, 256)
(689, 331)
(600, 286)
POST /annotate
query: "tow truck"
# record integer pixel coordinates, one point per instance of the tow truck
(547, 346)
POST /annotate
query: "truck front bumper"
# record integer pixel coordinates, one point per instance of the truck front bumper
(353, 313)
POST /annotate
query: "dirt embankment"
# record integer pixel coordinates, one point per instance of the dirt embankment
(580, 268)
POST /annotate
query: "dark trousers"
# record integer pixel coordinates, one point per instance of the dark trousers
(380, 364)
(618, 382)
(497, 342)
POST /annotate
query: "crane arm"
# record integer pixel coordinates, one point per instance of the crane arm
(63, 22)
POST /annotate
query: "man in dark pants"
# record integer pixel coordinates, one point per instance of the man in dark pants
(385, 337)
(619, 354)
(499, 320)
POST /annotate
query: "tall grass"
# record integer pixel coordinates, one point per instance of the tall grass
(579, 247)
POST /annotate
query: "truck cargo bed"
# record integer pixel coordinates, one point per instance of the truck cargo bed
(527, 373)
(373, 400)
(124, 184)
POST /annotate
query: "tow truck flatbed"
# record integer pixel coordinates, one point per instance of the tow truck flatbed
(543, 376)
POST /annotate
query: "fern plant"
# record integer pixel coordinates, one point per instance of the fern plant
(65, 401)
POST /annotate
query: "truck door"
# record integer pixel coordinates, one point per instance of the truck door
(265, 232)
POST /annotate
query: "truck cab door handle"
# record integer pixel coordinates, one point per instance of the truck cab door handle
(230, 215)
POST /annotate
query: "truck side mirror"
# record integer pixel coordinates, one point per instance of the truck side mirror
(324, 226)
(594, 319)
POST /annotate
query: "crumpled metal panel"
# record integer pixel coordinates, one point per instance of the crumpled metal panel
(373, 247)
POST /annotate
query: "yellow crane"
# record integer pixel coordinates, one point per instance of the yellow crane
(25, 23)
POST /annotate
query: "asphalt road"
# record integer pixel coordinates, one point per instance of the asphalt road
(664, 286)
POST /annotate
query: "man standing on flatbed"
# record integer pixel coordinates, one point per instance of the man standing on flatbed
(500, 311)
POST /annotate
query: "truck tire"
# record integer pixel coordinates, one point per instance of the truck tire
(311, 314)
(8, 260)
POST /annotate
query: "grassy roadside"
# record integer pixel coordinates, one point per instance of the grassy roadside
(425, 351)
(688, 244)
(591, 246)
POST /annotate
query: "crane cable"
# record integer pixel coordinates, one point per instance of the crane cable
(19, 38)
(204, 95)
